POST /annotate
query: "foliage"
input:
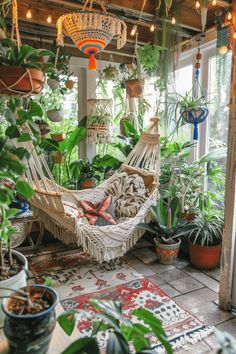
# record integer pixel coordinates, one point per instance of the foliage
(206, 228)
(166, 223)
(61, 60)
(121, 333)
(110, 72)
(189, 101)
(226, 341)
(129, 139)
(149, 56)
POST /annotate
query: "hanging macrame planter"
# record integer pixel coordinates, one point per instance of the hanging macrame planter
(196, 115)
(224, 38)
(91, 31)
(99, 121)
(19, 80)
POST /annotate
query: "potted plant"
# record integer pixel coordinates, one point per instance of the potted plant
(132, 81)
(53, 105)
(30, 319)
(110, 72)
(149, 57)
(58, 136)
(84, 174)
(205, 235)
(22, 70)
(166, 225)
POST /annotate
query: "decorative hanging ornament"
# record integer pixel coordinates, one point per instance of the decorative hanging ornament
(91, 31)
(99, 121)
(196, 115)
(224, 34)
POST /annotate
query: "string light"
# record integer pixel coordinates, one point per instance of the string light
(49, 18)
(214, 2)
(152, 27)
(229, 16)
(133, 31)
(29, 13)
(173, 19)
(234, 35)
(197, 4)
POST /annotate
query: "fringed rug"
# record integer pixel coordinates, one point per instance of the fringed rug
(181, 327)
(76, 273)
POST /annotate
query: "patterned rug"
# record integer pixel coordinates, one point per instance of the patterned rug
(76, 273)
(181, 327)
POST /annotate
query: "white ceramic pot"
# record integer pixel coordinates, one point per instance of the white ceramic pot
(53, 84)
(55, 116)
(15, 282)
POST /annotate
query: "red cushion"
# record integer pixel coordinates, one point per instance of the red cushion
(100, 214)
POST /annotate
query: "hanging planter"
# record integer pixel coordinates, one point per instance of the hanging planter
(91, 31)
(134, 88)
(99, 121)
(55, 115)
(53, 84)
(20, 81)
(58, 158)
(58, 137)
(195, 116)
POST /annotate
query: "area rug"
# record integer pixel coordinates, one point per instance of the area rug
(181, 327)
(76, 273)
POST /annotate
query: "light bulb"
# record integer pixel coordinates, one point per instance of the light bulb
(223, 49)
(229, 16)
(234, 35)
(133, 31)
(29, 13)
(152, 27)
(173, 20)
(49, 18)
(214, 2)
(197, 4)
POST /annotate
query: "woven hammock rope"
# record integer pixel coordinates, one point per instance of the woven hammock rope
(99, 121)
(91, 31)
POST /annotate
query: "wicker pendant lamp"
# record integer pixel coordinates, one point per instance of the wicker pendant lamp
(91, 30)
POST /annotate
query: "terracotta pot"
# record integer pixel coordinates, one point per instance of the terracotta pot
(167, 254)
(188, 216)
(58, 158)
(55, 115)
(134, 88)
(204, 257)
(58, 137)
(10, 75)
(88, 183)
(32, 333)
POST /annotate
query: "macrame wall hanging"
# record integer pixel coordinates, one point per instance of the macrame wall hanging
(99, 121)
(91, 30)
(196, 115)
(224, 34)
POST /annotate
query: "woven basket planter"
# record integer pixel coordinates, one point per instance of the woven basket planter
(167, 253)
(134, 88)
(99, 121)
(20, 81)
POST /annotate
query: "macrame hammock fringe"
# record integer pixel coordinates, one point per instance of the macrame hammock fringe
(103, 243)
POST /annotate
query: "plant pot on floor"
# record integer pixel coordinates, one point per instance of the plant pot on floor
(15, 282)
(167, 253)
(18, 80)
(88, 183)
(204, 257)
(134, 88)
(55, 115)
(31, 333)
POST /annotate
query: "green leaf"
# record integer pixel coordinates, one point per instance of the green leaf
(24, 189)
(15, 102)
(175, 212)
(161, 212)
(24, 137)
(213, 155)
(147, 227)
(21, 153)
(25, 52)
(72, 140)
(11, 212)
(13, 132)
(35, 109)
(117, 344)
(83, 346)
(67, 321)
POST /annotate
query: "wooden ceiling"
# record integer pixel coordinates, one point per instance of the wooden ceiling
(38, 32)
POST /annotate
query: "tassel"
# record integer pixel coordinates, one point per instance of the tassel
(195, 132)
(92, 64)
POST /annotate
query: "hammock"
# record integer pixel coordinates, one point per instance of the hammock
(103, 243)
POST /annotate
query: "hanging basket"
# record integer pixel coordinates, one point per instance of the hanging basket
(134, 88)
(99, 121)
(55, 115)
(195, 116)
(58, 158)
(20, 81)
(91, 31)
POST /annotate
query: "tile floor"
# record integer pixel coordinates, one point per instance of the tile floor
(193, 290)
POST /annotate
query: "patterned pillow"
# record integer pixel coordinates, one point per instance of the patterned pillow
(100, 214)
(73, 211)
(129, 193)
